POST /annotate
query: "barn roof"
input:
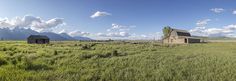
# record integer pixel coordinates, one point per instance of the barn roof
(178, 30)
(182, 32)
(38, 37)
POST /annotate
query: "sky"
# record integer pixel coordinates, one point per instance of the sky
(121, 19)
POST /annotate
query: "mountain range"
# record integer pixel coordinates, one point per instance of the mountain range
(22, 34)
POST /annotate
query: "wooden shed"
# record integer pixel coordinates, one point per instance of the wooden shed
(38, 39)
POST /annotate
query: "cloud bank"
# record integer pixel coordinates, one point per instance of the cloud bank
(34, 23)
(78, 33)
(117, 30)
(203, 22)
(203, 30)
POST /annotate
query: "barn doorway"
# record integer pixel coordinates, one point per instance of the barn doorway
(44, 41)
(36, 41)
(185, 40)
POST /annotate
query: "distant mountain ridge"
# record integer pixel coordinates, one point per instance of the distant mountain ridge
(22, 34)
(216, 37)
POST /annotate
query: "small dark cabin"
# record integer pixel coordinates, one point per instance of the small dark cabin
(38, 39)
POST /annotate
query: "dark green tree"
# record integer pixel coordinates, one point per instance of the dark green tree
(166, 31)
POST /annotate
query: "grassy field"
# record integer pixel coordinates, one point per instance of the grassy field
(117, 61)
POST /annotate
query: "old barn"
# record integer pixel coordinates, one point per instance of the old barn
(38, 39)
(178, 36)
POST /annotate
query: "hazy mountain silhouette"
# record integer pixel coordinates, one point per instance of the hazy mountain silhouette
(22, 34)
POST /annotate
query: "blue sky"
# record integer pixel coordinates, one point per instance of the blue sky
(139, 17)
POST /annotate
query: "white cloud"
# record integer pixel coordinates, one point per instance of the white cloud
(234, 12)
(203, 22)
(118, 34)
(217, 10)
(100, 14)
(101, 34)
(124, 34)
(202, 30)
(35, 23)
(78, 33)
(151, 36)
(62, 31)
(133, 36)
(118, 27)
(74, 33)
(116, 30)
(114, 34)
(42, 26)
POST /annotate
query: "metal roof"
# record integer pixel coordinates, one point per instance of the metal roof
(182, 32)
(178, 30)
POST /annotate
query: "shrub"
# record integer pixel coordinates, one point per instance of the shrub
(31, 66)
(14, 61)
(4, 49)
(55, 52)
(38, 67)
(93, 44)
(49, 44)
(115, 53)
(2, 62)
(11, 53)
(27, 64)
(12, 48)
(86, 56)
(107, 55)
(88, 46)
(85, 47)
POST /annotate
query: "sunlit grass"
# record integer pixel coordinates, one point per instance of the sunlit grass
(117, 61)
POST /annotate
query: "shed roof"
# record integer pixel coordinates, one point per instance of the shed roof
(38, 37)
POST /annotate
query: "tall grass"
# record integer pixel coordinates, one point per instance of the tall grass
(117, 61)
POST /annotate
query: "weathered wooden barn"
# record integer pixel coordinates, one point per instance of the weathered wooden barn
(180, 37)
(38, 39)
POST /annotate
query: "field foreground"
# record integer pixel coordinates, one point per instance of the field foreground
(117, 61)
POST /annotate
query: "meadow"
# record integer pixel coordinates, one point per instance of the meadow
(117, 61)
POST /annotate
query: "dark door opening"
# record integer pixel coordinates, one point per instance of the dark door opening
(185, 41)
(36, 41)
(44, 41)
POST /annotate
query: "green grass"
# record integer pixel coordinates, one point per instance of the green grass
(117, 61)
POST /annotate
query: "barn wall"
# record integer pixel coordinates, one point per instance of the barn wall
(174, 40)
(173, 33)
(190, 40)
(38, 41)
(180, 40)
(47, 41)
(31, 41)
